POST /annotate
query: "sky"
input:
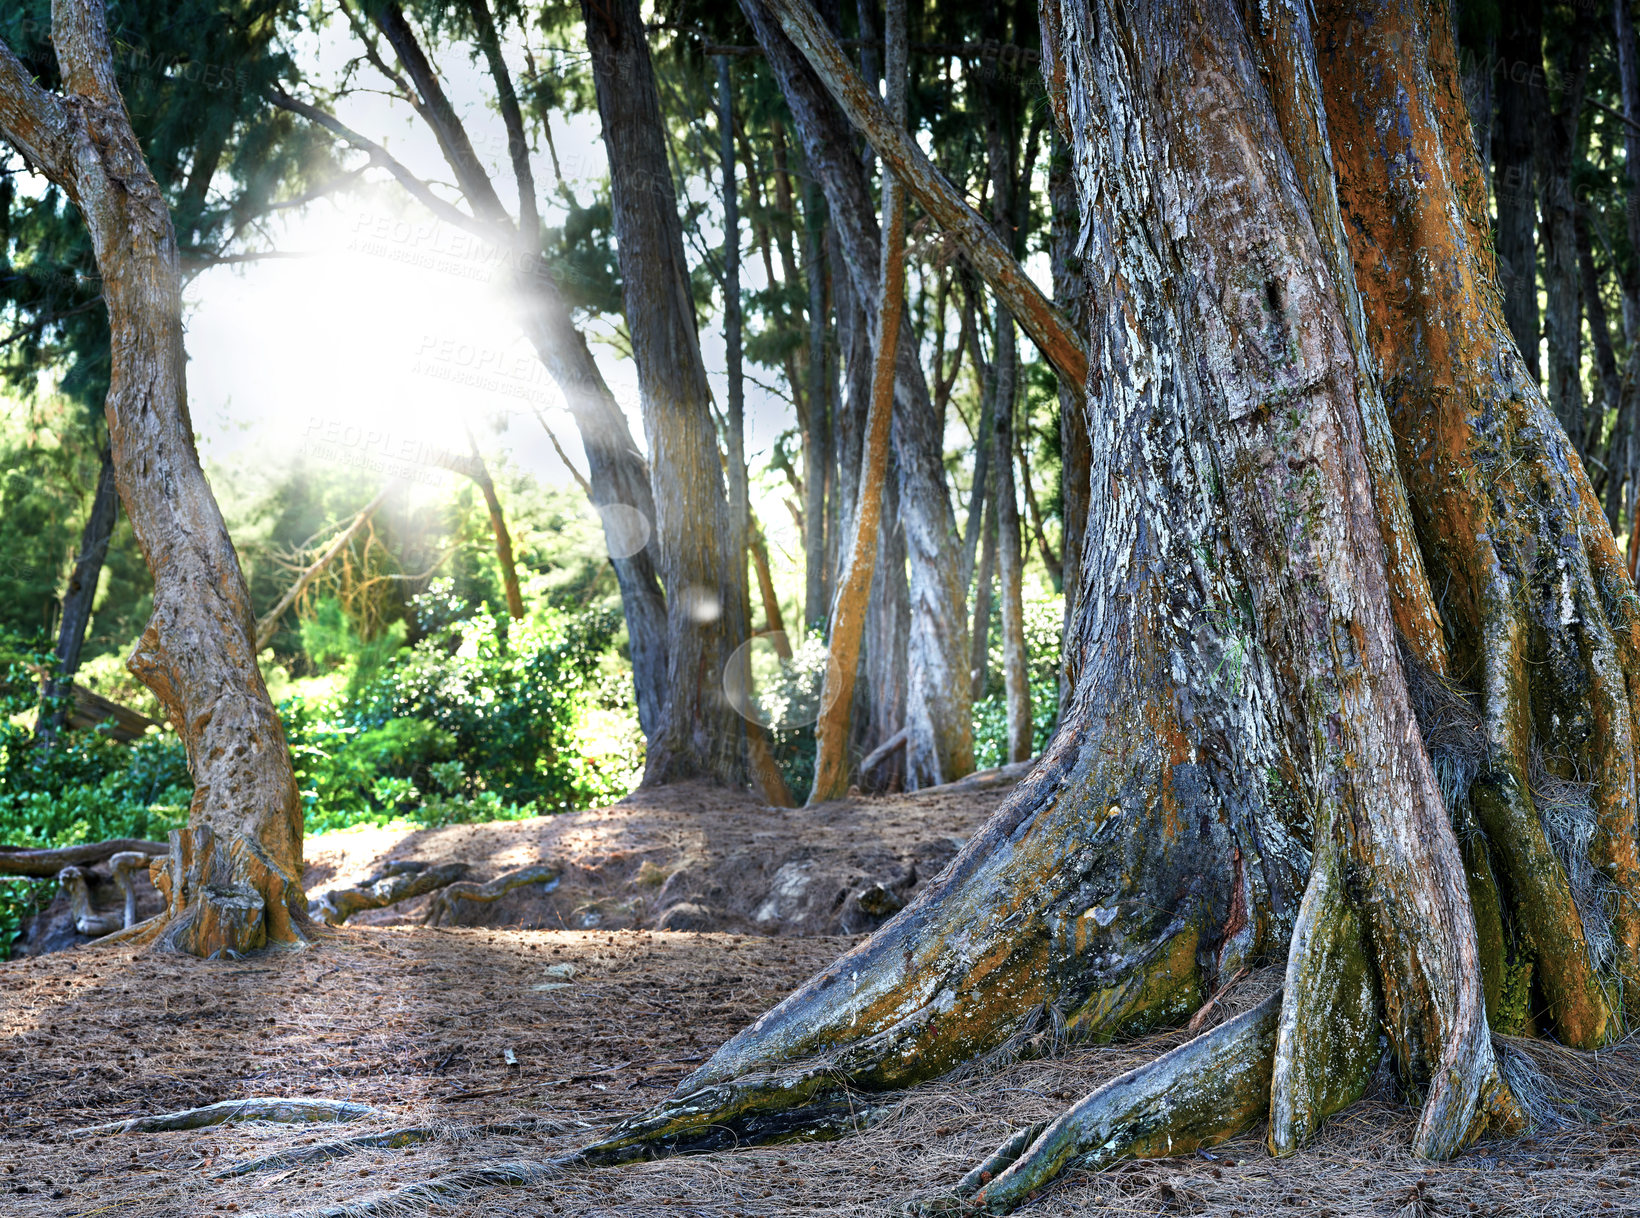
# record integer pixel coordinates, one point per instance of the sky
(380, 330)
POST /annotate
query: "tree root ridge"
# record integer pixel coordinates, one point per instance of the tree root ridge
(257, 1108)
(400, 880)
(442, 908)
(1202, 1092)
(392, 1139)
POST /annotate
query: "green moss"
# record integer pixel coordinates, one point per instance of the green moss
(1515, 1003)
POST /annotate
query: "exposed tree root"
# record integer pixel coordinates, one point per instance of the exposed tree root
(257, 1108)
(399, 881)
(1208, 1089)
(392, 1139)
(443, 905)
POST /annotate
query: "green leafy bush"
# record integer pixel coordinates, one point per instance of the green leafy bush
(1044, 622)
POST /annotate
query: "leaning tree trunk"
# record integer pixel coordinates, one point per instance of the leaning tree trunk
(78, 599)
(1075, 455)
(233, 879)
(704, 577)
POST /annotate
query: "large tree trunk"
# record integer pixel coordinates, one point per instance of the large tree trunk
(704, 577)
(939, 726)
(78, 600)
(233, 879)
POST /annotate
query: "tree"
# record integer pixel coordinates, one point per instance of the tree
(849, 607)
(541, 290)
(233, 878)
(938, 717)
(702, 564)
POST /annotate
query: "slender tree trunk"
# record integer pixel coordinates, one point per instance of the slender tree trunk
(1075, 450)
(979, 492)
(817, 438)
(773, 622)
(849, 607)
(1001, 133)
(880, 714)
(1556, 150)
(704, 575)
(1522, 99)
(78, 599)
(939, 727)
(1627, 459)
(1608, 380)
(233, 879)
(480, 474)
(979, 654)
(739, 497)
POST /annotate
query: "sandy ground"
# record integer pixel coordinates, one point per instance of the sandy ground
(420, 1023)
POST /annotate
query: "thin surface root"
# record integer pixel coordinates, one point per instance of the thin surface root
(257, 1108)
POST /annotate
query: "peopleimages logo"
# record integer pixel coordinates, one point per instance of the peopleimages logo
(379, 451)
(489, 369)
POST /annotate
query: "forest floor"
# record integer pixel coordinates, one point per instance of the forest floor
(464, 1027)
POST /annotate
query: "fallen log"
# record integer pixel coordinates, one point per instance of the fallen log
(398, 881)
(443, 905)
(45, 864)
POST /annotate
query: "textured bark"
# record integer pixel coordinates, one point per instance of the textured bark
(705, 578)
(1608, 381)
(939, 742)
(197, 652)
(1534, 596)
(849, 607)
(979, 651)
(78, 600)
(1521, 102)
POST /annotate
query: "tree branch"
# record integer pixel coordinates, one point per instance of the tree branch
(34, 121)
(986, 251)
(518, 145)
(379, 156)
(79, 34)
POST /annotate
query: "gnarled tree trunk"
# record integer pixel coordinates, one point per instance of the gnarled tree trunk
(233, 880)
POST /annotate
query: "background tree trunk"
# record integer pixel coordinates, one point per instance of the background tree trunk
(78, 599)
(939, 727)
(1522, 99)
(233, 879)
(700, 733)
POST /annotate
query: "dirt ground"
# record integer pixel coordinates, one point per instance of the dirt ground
(472, 1026)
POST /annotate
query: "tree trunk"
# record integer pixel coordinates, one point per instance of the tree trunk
(1521, 101)
(472, 466)
(1556, 149)
(1240, 768)
(78, 600)
(233, 880)
(1075, 452)
(817, 439)
(1001, 138)
(979, 491)
(1608, 381)
(700, 735)
(849, 607)
(979, 651)
(939, 727)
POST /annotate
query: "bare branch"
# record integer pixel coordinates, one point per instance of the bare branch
(34, 121)
(79, 34)
(518, 146)
(381, 157)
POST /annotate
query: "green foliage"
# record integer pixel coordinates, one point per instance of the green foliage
(465, 725)
(1044, 624)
